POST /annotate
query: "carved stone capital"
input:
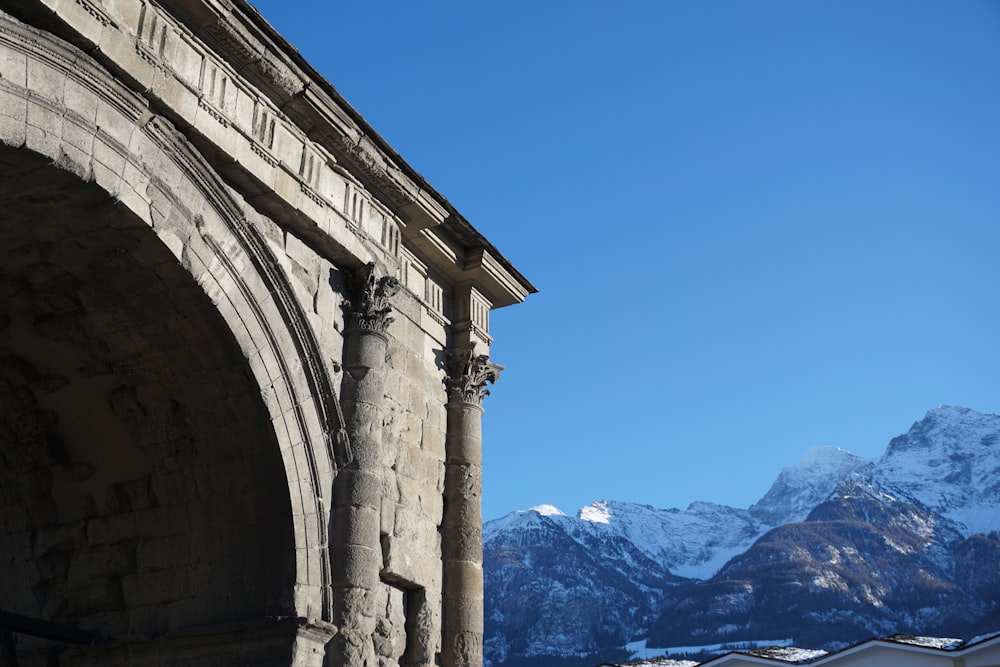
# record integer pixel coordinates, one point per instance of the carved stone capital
(370, 306)
(468, 375)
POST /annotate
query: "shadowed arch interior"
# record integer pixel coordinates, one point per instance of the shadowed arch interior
(141, 487)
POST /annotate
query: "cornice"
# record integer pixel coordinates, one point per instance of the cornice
(330, 120)
(262, 63)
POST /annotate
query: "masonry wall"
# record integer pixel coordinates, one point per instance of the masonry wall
(227, 347)
(412, 457)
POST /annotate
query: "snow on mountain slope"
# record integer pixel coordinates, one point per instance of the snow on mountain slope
(691, 543)
(839, 544)
(556, 589)
(695, 542)
(800, 488)
(950, 461)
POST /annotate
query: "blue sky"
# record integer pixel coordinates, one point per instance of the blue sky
(756, 227)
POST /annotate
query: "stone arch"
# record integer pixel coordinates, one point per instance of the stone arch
(109, 204)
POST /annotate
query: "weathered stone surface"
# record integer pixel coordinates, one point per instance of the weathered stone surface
(222, 389)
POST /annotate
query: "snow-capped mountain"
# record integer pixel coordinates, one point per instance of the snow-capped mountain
(800, 488)
(840, 548)
(543, 572)
(691, 543)
(949, 460)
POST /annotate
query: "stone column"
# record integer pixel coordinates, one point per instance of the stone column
(357, 554)
(462, 525)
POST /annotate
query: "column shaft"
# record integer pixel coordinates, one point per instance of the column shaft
(462, 524)
(356, 558)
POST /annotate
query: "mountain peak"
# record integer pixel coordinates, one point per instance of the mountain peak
(950, 461)
(801, 487)
(547, 510)
(596, 512)
(821, 455)
(952, 416)
(946, 411)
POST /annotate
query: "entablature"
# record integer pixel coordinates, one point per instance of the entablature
(281, 134)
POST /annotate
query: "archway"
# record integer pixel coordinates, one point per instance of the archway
(142, 492)
(143, 205)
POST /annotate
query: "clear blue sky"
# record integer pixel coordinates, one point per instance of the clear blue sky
(757, 227)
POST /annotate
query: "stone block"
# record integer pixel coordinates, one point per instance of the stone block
(303, 558)
(328, 299)
(112, 161)
(418, 370)
(149, 620)
(102, 562)
(295, 435)
(105, 176)
(185, 61)
(397, 391)
(128, 14)
(112, 529)
(417, 404)
(313, 524)
(302, 254)
(87, 26)
(390, 628)
(204, 610)
(121, 49)
(306, 283)
(83, 598)
(309, 408)
(62, 537)
(432, 439)
(387, 516)
(13, 121)
(413, 433)
(358, 567)
(175, 487)
(420, 466)
(155, 588)
(46, 82)
(285, 184)
(13, 69)
(303, 467)
(309, 647)
(398, 560)
(162, 521)
(53, 568)
(269, 362)
(356, 526)
(14, 520)
(42, 130)
(463, 544)
(308, 600)
(162, 553)
(81, 102)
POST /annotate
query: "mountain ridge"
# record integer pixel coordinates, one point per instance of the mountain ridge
(926, 512)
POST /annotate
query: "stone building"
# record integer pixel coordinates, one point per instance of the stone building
(243, 352)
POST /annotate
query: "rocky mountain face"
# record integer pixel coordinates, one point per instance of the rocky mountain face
(840, 549)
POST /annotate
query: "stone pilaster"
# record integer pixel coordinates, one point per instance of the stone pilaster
(357, 554)
(462, 525)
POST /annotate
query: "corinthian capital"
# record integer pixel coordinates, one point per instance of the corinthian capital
(370, 306)
(468, 375)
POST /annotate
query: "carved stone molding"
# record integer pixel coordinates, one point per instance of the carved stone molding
(370, 305)
(468, 375)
